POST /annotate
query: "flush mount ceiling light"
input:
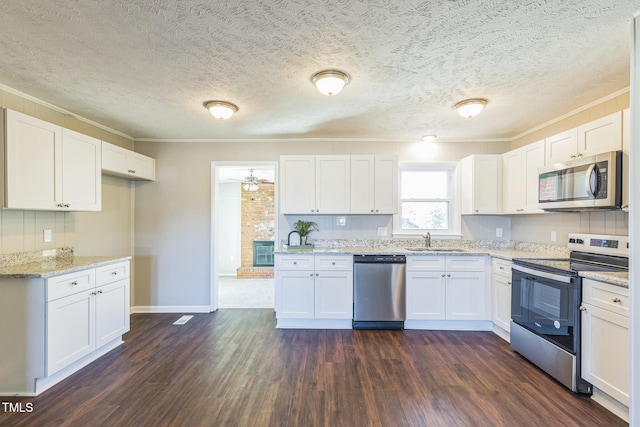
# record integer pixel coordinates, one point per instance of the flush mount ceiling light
(250, 182)
(428, 138)
(330, 82)
(221, 110)
(470, 107)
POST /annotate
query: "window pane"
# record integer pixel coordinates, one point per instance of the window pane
(425, 215)
(416, 184)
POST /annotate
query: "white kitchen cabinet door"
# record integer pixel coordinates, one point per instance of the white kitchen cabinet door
(333, 294)
(426, 295)
(465, 295)
(81, 172)
(363, 183)
(297, 184)
(601, 135)
(512, 174)
(33, 150)
(333, 184)
(70, 330)
(386, 184)
(501, 302)
(605, 351)
(481, 184)
(520, 178)
(561, 147)
(295, 294)
(119, 161)
(112, 311)
(626, 146)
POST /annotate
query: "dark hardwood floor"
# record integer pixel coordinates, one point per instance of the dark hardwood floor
(233, 368)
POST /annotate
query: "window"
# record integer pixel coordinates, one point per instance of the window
(426, 199)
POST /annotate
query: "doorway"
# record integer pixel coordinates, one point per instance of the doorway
(243, 224)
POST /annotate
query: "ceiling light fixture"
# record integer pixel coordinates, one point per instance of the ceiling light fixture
(428, 138)
(221, 110)
(330, 82)
(470, 107)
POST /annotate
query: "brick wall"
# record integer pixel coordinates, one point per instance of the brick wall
(258, 221)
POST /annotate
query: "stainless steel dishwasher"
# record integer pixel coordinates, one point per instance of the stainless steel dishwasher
(379, 289)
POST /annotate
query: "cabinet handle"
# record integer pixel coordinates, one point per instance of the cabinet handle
(132, 171)
(94, 293)
(501, 268)
(573, 156)
(579, 155)
(509, 283)
(99, 292)
(583, 308)
(114, 273)
(519, 210)
(74, 283)
(616, 300)
(66, 205)
(60, 205)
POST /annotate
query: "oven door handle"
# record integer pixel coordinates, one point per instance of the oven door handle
(538, 273)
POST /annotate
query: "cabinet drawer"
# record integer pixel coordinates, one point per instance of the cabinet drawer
(465, 263)
(294, 262)
(501, 267)
(112, 273)
(70, 283)
(426, 263)
(344, 262)
(606, 296)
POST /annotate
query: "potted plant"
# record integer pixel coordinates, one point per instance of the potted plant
(304, 228)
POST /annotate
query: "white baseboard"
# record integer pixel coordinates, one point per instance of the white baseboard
(171, 309)
(285, 323)
(610, 404)
(449, 325)
(505, 335)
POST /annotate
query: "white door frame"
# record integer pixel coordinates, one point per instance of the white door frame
(215, 172)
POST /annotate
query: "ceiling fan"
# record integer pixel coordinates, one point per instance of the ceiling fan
(252, 183)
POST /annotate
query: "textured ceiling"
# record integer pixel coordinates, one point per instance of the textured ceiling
(145, 67)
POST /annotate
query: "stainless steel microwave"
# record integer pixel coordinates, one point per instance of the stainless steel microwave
(585, 183)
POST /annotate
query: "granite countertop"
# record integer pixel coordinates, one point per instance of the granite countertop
(491, 248)
(618, 278)
(55, 266)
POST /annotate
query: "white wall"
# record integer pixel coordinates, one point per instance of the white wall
(228, 233)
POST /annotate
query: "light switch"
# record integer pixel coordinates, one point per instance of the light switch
(48, 236)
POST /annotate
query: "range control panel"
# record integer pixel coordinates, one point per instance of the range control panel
(599, 243)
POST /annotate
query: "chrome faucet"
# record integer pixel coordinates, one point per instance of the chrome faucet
(427, 240)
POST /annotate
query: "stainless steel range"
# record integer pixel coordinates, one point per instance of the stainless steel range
(545, 300)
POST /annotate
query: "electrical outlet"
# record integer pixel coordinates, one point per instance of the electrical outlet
(553, 236)
(341, 221)
(48, 236)
(498, 232)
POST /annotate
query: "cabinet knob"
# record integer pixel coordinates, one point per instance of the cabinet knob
(317, 274)
(573, 156)
(66, 205)
(377, 210)
(295, 262)
(443, 275)
(371, 210)
(99, 292)
(114, 273)
(333, 263)
(74, 283)
(616, 300)
(477, 210)
(509, 283)
(583, 308)
(311, 274)
(94, 293)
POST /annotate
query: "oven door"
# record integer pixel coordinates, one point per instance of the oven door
(547, 304)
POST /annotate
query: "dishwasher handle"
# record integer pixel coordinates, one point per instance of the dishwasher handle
(379, 259)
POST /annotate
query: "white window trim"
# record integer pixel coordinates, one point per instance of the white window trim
(455, 218)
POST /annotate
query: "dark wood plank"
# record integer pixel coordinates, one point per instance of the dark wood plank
(233, 368)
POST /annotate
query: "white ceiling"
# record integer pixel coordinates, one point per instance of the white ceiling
(145, 67)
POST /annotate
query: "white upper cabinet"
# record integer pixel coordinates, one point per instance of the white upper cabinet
(520, 178)
(315, 184)
(598, 136)
(374, 184)
(626, 145)
(481, 184)
(119, 161)
(48, 167)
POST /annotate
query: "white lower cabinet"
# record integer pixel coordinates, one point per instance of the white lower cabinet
(75, 318)
(446, 288)
(501, 297)
(605, 343)
(314, 291)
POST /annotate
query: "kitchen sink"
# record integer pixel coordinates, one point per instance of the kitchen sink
(434, 250)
